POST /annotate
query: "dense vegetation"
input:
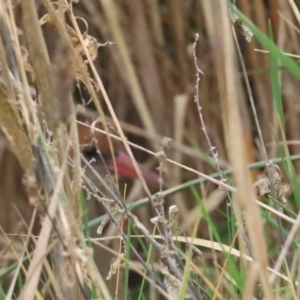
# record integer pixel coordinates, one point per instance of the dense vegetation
(206, 93)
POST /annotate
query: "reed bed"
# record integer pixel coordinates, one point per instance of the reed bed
(203, 92)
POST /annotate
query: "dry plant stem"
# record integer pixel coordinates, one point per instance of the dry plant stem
(49, 272)
(258, 127)
(35, 267)
(62, 272)
(156, 22)
(224, 265)
(6, 80)
(164, 256)
(180, 114)
(285, 248)
(212, 150)
(76, 171)
(147, 66)
(249, 92)
(245, 197)
(162, 220)
(26, 104)
(9, 115)
(298, 279)
(119, 254)
(177, 12)
(291, 25)
(252, 274)
(7, 42)
(12, 129)
(287, 54)
(40, 60)
(295, 10)
(20, 260)
(110, 10)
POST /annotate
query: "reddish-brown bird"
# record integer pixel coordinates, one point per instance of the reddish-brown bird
(94, 146)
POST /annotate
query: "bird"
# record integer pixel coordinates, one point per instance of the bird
(94, 146)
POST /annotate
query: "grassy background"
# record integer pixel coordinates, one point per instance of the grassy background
(134, 61)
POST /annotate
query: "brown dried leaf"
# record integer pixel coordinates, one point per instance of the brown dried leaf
(91, 44)
(265, 185)
(262, 186)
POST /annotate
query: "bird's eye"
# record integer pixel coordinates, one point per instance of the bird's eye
(89, 152)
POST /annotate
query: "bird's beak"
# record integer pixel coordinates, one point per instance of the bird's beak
(125, 168)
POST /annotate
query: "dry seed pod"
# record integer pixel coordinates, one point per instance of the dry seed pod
(262, 186)
(272, 182)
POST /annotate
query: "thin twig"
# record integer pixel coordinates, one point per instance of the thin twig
(164, 257)
(212, 150)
